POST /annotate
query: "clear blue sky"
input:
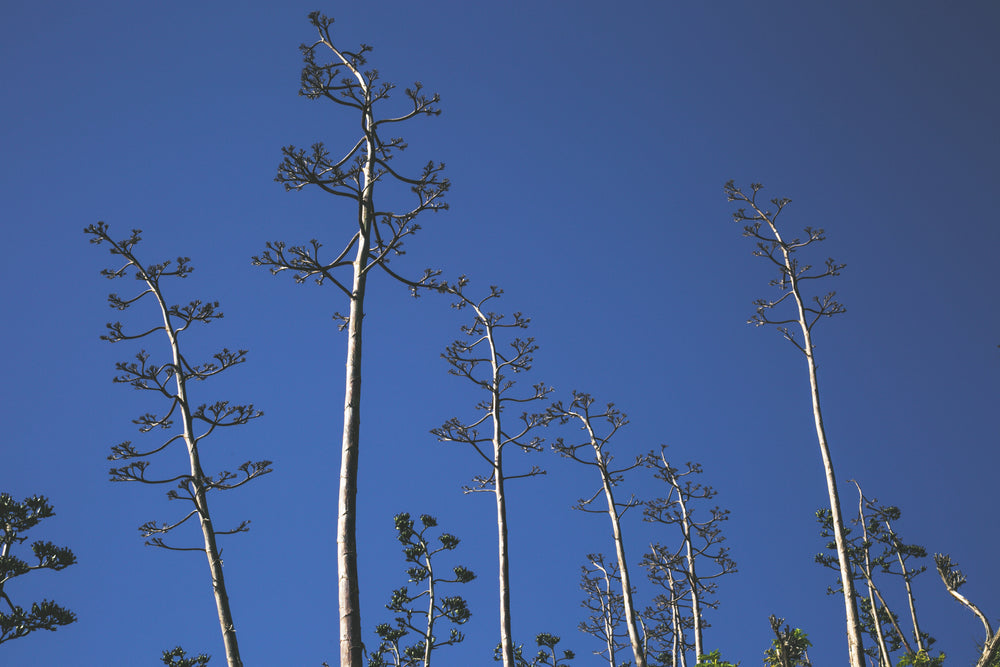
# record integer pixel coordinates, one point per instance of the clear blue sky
(587, 144)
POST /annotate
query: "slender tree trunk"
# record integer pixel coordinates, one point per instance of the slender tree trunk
(351, 644)
(855, 644)
(506, 642)
(883, 650)
(913, 610)
(894, 622)
(226, 623)
(692, 576)
(630, 620)
(351, 647)
(431, 601)
(506, 638)
(991, 644)
(791, 274)
(609, 626)
(218, 583)
(909, 592)
(678, 654)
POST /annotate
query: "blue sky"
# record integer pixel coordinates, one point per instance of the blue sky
(587, 145)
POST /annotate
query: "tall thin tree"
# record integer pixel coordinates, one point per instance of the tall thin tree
(701, 556)
(431, 605)
(376, 235)
(579, 410)
(171, 379)
(488, 361)
(760, 225)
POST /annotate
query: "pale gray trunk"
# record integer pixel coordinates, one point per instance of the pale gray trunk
(883, 650)
(218, 584)
(675, 615)
(630, 616)
(909, 591)
(348, 595)
(913, 612)
(226, 623)
(431, 600)
(506, 640)
(855, 644)
(351, 646)
(895, 623)
(692, 576)
(991, 645)
(609, 627)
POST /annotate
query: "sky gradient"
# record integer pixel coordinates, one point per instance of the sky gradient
(587, 145)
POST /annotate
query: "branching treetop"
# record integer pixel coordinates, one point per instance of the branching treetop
(338, 75)
(771, 245)
(170, 380)
(482, 358)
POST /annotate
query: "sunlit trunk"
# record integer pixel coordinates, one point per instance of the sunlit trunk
(855, 644)
(197, 488)
(349, 598)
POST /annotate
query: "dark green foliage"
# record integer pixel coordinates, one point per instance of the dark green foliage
(16, 518)
(921, 659)
(830, 560)
(546, 656)
(419, 553)
(789, 648)
(177, 657)
(714, 659)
